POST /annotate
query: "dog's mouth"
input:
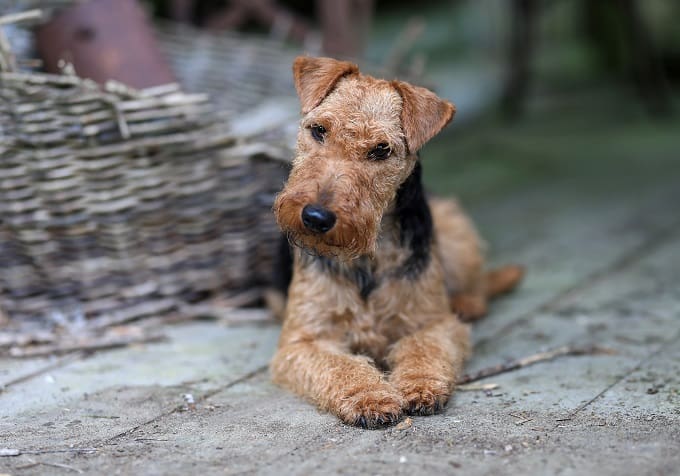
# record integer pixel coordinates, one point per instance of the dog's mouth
(315, 244)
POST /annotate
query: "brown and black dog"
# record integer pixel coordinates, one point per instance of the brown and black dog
(381, 274)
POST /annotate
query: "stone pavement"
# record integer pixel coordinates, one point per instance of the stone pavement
(603, 253)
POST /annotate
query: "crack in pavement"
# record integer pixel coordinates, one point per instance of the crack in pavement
(636, 254)
(259, 370)
(60, 362)
(619, 379)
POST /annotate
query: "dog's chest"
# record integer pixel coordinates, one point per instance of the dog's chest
(375, 302)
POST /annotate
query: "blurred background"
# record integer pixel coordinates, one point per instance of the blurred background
(548, 92)
(540, 85)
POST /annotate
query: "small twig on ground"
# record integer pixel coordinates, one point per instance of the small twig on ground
(33, 463)
(534, 359)
(224, 315)
(28, 376)
(88, 346)
(226, 310)
(229, 310)
(472, 387)
(60, 450)
(17, 452)
(148, 308)
(62, 466)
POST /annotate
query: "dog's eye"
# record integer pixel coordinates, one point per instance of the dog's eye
(380, 152)
(318, 132)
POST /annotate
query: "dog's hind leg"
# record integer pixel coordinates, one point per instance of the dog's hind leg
(461, 251)
(472, 306)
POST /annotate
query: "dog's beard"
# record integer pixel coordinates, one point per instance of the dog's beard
(320, 245)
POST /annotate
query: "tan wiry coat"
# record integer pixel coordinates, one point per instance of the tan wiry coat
(368, 357)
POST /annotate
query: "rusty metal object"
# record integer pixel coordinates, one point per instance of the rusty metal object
(104, 39)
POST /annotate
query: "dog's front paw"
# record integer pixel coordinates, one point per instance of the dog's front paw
(371, 408)
(423, 396)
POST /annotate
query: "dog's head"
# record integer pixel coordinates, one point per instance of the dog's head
(356, 145)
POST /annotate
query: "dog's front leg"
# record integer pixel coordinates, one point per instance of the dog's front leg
(347, 385)
(426, 364)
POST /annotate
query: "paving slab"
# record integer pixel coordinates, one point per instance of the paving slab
(97, 398)
(567, 240)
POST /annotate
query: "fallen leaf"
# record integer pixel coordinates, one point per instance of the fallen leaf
(404, 425)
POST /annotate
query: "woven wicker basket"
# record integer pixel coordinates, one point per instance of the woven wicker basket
(237, 70)
(126, 203)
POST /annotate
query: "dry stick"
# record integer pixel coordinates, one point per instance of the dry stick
(33, 464)
(59, 450)
(62, 466)
(118, 318)
(473, 387)
(261, 369)
(225, 310)
(533, 359)
(28, 376)
(16, 452)
(103, 344)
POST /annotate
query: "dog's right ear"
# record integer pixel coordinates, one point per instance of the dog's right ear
(315, 78)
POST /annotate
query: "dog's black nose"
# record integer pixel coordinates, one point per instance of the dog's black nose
(317, 218)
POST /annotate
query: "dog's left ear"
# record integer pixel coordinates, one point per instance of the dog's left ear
(315, 78)
(423, 114)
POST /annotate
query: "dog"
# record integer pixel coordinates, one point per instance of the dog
(382, 277)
